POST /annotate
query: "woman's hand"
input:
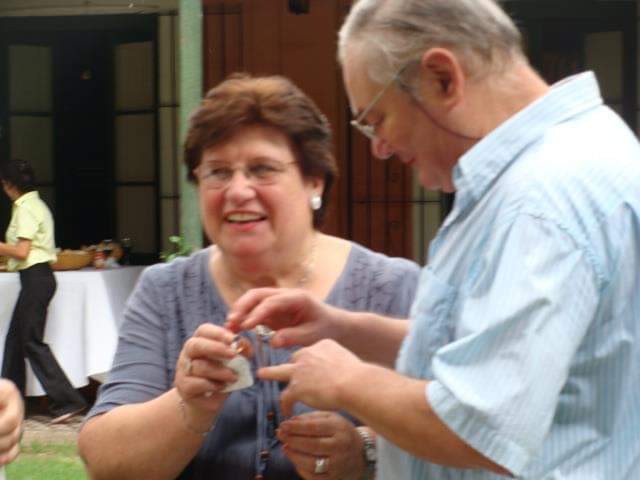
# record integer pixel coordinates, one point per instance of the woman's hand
(201, 375)
(297, 317)
(323, 442)
(11, 416)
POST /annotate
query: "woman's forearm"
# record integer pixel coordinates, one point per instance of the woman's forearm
(152, 440)
(20, 251)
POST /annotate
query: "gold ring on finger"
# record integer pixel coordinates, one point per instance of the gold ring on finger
(321, 466)
(188, 367)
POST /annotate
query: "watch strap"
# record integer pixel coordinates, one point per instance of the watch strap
(369, 452)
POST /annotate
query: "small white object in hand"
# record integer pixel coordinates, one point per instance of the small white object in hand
(242, 367)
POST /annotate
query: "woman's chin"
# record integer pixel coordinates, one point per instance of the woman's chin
(245, 249)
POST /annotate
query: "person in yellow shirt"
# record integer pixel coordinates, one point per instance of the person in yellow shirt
(30, 247)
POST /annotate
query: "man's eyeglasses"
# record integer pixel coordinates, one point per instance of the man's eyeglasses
(369, 130)
(217, 175)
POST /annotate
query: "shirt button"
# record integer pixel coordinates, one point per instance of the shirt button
(264, 454)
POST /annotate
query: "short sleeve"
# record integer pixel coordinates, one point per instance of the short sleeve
(517, 329)
(404, 288)
(26, 223)
(374, 282)
(138, 373)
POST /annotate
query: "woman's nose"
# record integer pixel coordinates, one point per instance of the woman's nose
(381, 148)
(240, 187)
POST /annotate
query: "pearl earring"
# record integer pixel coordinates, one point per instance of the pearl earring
(316, 202)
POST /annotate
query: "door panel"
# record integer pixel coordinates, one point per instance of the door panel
(26, 121)
(78, 100)
(30, 78)
(136, 159)
(83, 139)
(31, 139)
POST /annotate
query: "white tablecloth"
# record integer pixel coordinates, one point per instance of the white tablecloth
(82, 323)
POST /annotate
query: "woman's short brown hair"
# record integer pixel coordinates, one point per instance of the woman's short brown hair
(273, 101)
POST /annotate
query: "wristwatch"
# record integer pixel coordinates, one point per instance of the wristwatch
(369, 452)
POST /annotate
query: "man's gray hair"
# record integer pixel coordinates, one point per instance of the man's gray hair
(397, 32)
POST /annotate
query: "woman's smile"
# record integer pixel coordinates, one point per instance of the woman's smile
(244, 221)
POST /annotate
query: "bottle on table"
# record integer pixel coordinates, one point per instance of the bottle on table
(99, 258)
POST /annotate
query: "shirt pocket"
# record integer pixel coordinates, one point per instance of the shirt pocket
(432, 325)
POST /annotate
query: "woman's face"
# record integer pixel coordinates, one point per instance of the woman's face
(267, 213)
(6, 187)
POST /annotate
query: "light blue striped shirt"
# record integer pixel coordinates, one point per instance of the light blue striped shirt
(527, 317)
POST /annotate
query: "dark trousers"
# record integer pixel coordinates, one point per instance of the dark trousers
(24, 340)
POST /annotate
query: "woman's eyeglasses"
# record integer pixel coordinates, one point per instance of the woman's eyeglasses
(217, 175)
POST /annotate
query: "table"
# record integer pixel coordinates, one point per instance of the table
(82, 323)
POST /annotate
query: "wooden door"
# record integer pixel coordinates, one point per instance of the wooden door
(371, 201)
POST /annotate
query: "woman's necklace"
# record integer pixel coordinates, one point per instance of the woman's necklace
(307, 268)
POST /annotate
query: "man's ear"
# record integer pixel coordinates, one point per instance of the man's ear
(445, 75)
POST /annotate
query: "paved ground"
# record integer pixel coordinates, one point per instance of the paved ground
(37, 428)
(37, 419)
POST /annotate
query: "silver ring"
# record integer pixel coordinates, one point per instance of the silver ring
(188, 366)
(322, 466)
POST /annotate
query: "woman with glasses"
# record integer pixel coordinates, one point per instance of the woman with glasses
(260, 154)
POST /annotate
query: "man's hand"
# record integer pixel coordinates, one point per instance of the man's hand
(317, 375)
(297, 317)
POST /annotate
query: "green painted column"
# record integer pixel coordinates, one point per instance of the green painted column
(190, 95)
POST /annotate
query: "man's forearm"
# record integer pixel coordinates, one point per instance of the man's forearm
(396, 407)
(372, 337)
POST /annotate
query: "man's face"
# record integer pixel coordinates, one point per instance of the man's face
(401, 129)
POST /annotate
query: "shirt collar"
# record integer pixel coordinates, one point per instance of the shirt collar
(26, 197)
(479, 167)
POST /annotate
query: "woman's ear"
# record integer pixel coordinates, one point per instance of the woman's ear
(315, 185)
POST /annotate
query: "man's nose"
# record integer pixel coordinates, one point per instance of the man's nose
(381, 148)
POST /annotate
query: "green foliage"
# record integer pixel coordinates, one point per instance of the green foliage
(47, 461)
(180, 249)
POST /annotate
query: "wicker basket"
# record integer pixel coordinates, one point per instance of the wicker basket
(73, 260)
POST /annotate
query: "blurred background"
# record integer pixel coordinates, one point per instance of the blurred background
(90, 94)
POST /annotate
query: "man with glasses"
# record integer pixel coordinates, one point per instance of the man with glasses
(522, 356)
